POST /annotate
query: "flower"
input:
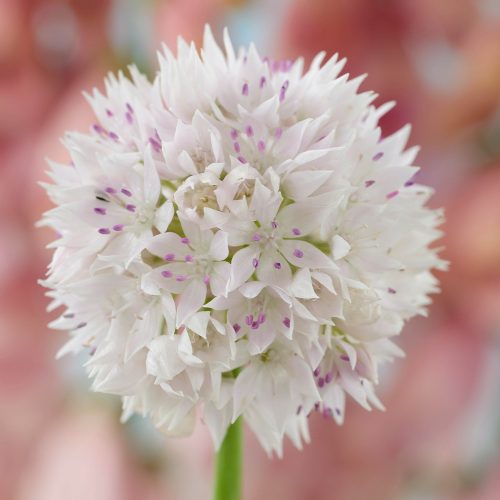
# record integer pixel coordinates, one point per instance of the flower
(238, 238)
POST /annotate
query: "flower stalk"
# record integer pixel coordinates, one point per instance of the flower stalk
(228, 464)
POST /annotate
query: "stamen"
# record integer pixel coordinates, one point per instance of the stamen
(286, 322)
(369, 183)
(234, 134)
(130, 207)
(110, 190)
(256, 237)
(274, 224)
(261, 146)
(244, 89)
(206, 279)
(378, 156)
(104, 230)
(185, 241)
(180, 277)
(242, 159)
(278, 132)
(100, 210)
(113, 136)
(255, 325)
(249, 319)
(129, 108)
(277, 265)
(298, 253)
(109, 113)
(126, 192)
(296, 231)
(166, 273)
(237, 147)
(97, 128)
(391, 290)
(118, 227)
(129, 118)
(321, 382)
(169, 257)
(236, 328)
(392, 194)
(255, 262)
(262, 82)
(249, 131)
(262, 318)
(188, 258)
(344, 357)
(328, 377)
(316, 372)
(409, 183)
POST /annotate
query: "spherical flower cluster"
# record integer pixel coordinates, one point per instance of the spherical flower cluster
(238, 238)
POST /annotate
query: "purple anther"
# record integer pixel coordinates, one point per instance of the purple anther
(298, 253)
(328, 377)
(110, 190)
(185, 241)
(278, 132)
(126, 192)
(109, 112)
(81, 325)
(236, 328)
(274, 224)
(256, 237)
(249, 131)
(237, 147)
(262, 82)
(169, 257)
(129, 118)
(100, 210)
(369, 183)
(277, 265)
(409, 183)
(261, 146)
(255, 325)
(262, 318)
(97, 128)
(299, 409)
(104, 230)
(286, 322)
(296, 231)
(378, 156)
(316, 372)
(338, 412)
(166, 273)
(244, 89)
(188, 258)
(242, 159)
(180, 278)
(118, 227)
(249, 319)
(392, 194)
(113, 136)
(321, 382)
(344, 357)
(391, 290)
(234, 134)
(206, 279)
(130, 207)
(255, 262)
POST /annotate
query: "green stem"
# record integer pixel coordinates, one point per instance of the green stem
(228, 464)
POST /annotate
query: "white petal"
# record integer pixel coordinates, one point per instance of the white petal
(218, 246)
(191, 299)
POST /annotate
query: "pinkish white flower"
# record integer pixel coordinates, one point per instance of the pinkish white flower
(238, 238)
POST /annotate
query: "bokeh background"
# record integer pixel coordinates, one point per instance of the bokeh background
(440, 437)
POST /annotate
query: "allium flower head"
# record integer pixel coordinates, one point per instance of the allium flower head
(238, 237)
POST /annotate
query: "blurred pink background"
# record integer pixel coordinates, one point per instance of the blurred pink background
(440, 437)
